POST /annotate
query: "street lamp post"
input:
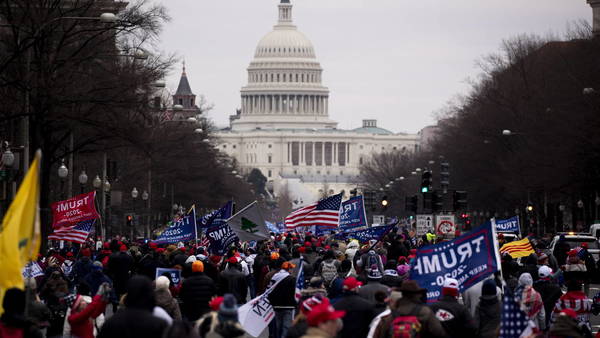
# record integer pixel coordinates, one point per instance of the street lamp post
(134, 195)
(145, 196)
(83, 178)
(7, 161)
(63, 172)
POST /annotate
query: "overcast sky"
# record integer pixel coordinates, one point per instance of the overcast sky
(397, 61)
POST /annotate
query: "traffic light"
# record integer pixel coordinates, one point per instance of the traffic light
(384, 203)
(529, 207)
(437, 201)
(129, 220)
(466, 220)
(426, 181)
(460, 200)
(412, 203)
(445, 176)
(428, 201)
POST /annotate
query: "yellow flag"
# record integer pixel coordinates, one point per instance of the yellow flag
(518, 249)
(20, 236)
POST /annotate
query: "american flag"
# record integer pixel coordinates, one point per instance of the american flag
(514, 321)
(300, 282)
(326, 212)
(77, 233)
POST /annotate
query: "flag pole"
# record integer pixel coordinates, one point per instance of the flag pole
(244, 209)
(195, 225)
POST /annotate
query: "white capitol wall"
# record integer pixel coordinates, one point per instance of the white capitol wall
(283, 155)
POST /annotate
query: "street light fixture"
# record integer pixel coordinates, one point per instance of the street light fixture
(8, 158)
(588, 91)
(200, 131)
(63, 171)
(159, 84)
(506, 132)
(580, 204)
(108, 18)
(106, 185)
(145, 195)
(134, 193)
(97, 182)
(83, 178)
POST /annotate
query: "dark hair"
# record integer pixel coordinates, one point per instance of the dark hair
(140, 294)
(329, 254)
(346, 265)
(83, 289)
(380, 296)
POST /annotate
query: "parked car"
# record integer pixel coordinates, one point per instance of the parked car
(576, 239)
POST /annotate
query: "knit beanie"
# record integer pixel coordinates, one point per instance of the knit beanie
(198, 266)
(488, 290)
(525, 279)
(228, 308)
(450, 287)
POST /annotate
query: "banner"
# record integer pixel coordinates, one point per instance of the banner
(173, 274)
(249, 224)
(181, 231)
(353, 215)
(507, 225)
(74, 210)
(220, 238)
(256, 315)
(367, 234)
(273, 227)
(32, 270)
(469, 259)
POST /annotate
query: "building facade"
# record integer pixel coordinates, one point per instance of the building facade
(283, 127)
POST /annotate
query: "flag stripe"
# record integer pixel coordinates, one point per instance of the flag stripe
(326, 212)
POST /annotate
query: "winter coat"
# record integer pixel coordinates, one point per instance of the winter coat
(487, 317)
(566, 327)
(119, 269)
(17, 327)
(168, 303)
(472, 296)
(455, 318)
(298, 328)
(81, 322)
(81, 268)
(209, 326)
(233, 281)
(578, 302)
(391, 279)
(430, 326)
(195, 294)
(133, 323)
(315, 332)
(284, 294)
(550, 293)
(310, 291)
(368, 291)
(359, 313)
(94, 279)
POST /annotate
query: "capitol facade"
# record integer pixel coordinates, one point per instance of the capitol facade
(283, 127)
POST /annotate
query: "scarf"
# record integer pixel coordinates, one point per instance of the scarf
(531, 301)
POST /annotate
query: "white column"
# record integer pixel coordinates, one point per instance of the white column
(279, 104)
(334, 148)
(301, 104)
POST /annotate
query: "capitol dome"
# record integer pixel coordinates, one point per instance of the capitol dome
(284, 87)
(285, 42)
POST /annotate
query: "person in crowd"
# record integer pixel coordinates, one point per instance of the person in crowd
(390, 275)
(67, 267)
(120, 265)
(531, 301)
(299, 325)
(196, 292)
(548, 290)
(96, 278)
(488, 310)
(368, 260)
(566, 326)
(53, 290)
(13, 322)
(391, 306)
(324, 321)
(36, 311)
(85, 315)
(283, 300)
(455, 317)
(250, 278)
(472, 296)
(351, 250)
(315, 287)
(575, 299)
(164, 299)
(561, 249)
(136, 319)
(373, 285)
(359, 311)
(222, 322)
(328, 269)
(83, 266)
(233, 281)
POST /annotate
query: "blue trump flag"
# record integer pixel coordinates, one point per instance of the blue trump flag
(273, 227)
(353, 214)
(469, 259)
(507, 225)
(366, 234)
(181, 231)
(216, 217)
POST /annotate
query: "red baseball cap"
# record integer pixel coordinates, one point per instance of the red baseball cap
(351, 283)
(322, 313)
(310, 303)
(232, 260)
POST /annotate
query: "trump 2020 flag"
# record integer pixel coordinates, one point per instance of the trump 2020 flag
(216, 217)
(249, 224)
(469, 258)
(507, 225)
(183, 230)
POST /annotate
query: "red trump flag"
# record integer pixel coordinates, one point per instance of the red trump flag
(74, 210)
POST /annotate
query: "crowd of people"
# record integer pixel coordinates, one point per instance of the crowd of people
(352, 289)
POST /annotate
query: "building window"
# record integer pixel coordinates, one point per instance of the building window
(308, 153)
(328, 153)
(269, 173)
(269, 158)
(295, 153)
(270, 146)
(341, 155)
(318, 153)
(180, 101)
(360, 160)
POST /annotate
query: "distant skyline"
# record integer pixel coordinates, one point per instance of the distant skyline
(394, 61)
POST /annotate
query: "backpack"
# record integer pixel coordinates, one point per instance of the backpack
(406, 326)
(328, 271)
(372, 259)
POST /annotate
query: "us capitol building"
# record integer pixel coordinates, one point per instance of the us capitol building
(283, 127)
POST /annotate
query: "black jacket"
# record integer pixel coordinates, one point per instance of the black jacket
(487, 317)
(454, 317)
(119, 269)
(133, 323)
(284, 294)
(359, 314)
(550, 293)
(195, 294)
(233, 281)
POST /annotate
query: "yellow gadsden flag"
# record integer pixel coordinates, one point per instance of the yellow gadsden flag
(518, 249)
(20, 230)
